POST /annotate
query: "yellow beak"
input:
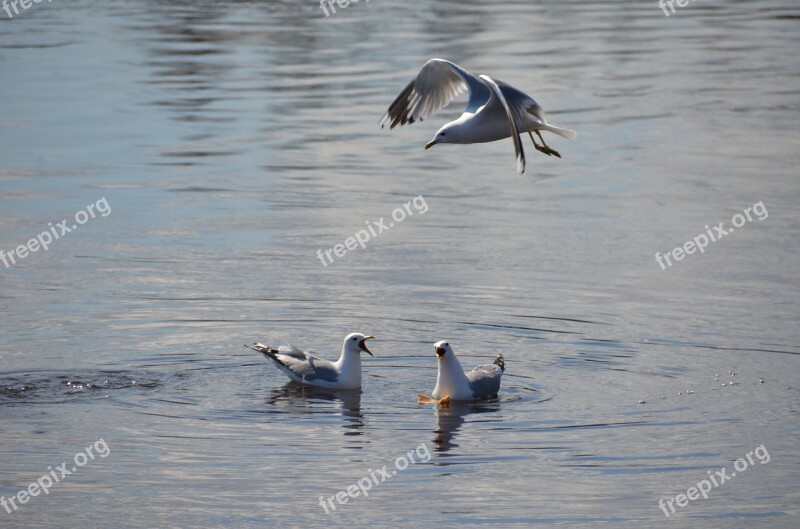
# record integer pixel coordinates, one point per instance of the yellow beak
(431, 144)
(363, 346)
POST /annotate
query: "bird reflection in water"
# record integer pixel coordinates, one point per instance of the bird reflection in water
(300, 399)
(449, 419)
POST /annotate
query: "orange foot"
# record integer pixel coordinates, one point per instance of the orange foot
(444, 402)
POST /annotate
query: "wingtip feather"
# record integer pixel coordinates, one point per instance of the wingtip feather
(500, 361)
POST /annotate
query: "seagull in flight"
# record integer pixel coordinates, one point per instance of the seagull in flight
(495, 110)
(305, 368)
(453, 384)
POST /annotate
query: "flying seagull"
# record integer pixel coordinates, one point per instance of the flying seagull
(495, 110)
(453, 384)
(306, 368)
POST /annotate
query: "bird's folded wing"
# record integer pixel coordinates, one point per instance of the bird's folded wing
(313, 369)
(292, 351)
(484, 381)
(498, 96)
(434, 87)
(485, 371)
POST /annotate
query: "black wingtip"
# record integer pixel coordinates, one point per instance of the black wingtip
(499, 361)
(263, 349)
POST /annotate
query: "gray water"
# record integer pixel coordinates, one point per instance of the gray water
(232, 140)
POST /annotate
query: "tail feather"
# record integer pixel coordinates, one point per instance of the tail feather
(499, 361)
(566, 133)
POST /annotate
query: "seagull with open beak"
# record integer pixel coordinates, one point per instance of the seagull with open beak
(453, 384)
(305, 368)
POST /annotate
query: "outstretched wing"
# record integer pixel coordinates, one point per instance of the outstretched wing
(526, 111)
(498, 95)
(435, 86)
(523, 106)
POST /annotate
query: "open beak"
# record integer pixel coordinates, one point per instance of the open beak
(431, 144)
(363, 346)
(440, 352)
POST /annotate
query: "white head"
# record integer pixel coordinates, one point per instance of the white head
(355, 343)
(449, 133)
(445, 354)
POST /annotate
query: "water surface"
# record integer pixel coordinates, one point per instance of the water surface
(232, 140)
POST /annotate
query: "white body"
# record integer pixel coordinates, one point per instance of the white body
(305, 368)
(348, 367)
(451, 381)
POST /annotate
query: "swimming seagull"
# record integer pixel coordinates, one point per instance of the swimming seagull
(306, 368)
(453, 384)
(495, 110)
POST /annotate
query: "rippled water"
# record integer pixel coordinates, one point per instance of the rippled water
(232, 140)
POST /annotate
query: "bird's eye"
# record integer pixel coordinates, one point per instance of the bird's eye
(447, 344)
(442, 133)
(354, 338)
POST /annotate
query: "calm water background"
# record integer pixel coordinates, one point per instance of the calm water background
(234, 139)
